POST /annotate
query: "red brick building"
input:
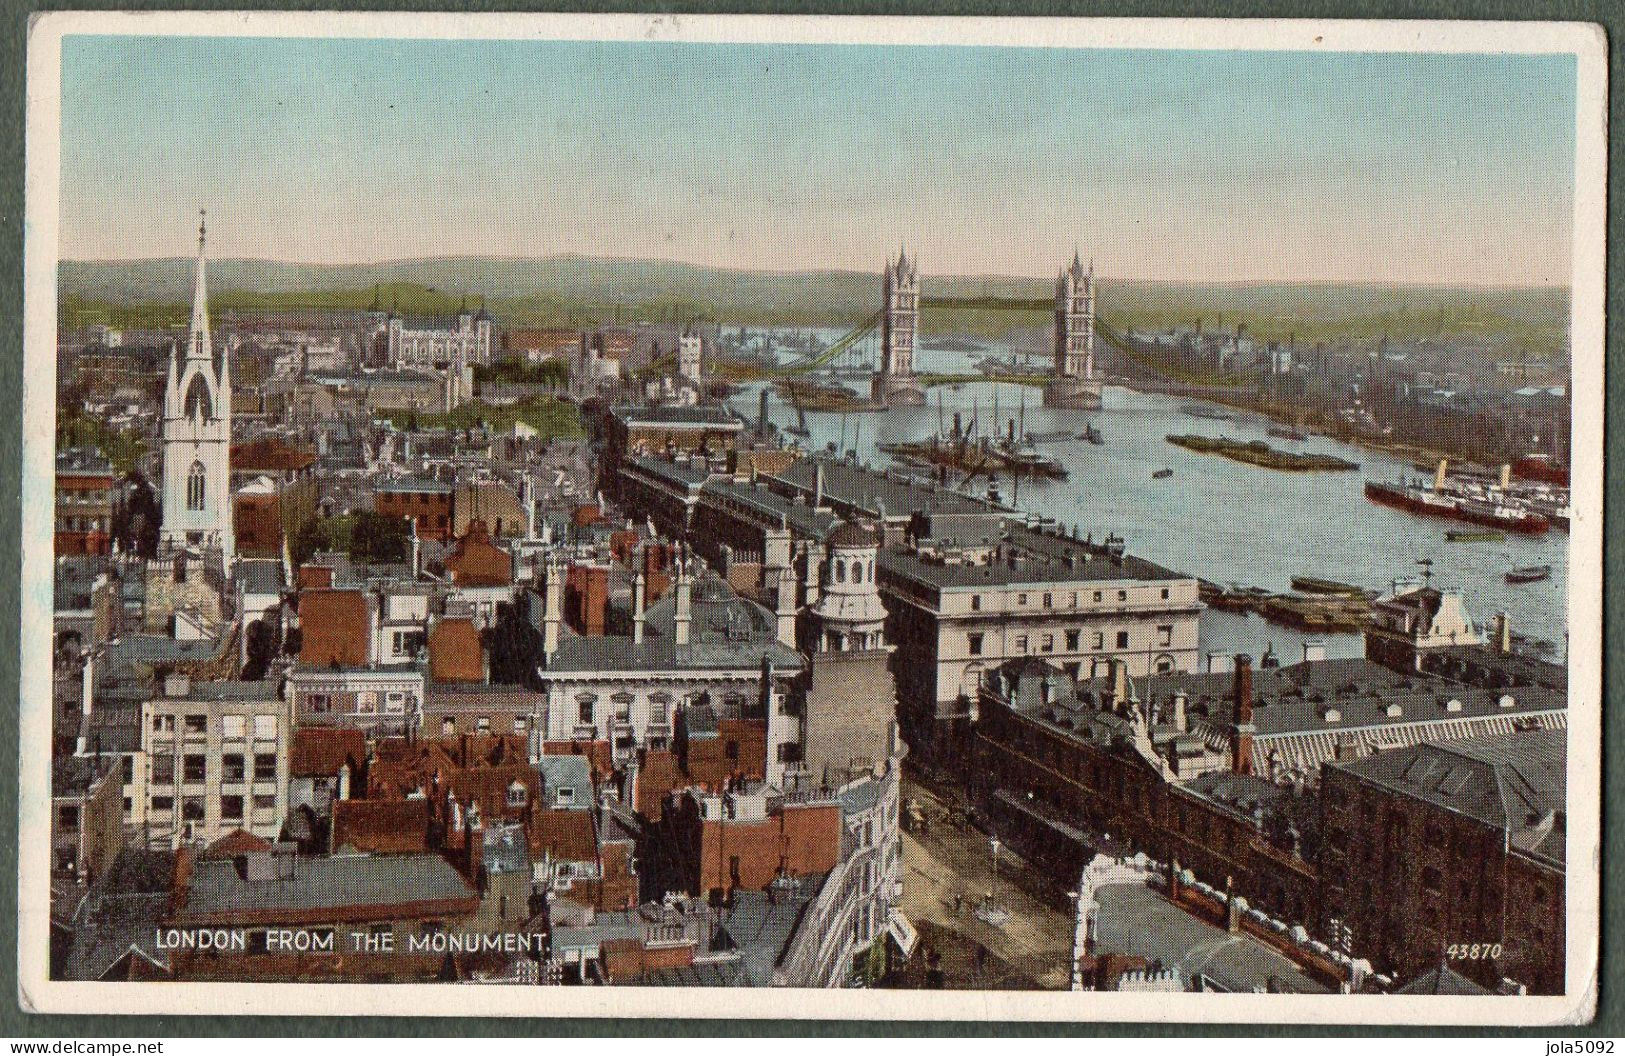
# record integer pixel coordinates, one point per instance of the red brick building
(1453, 853)
(427, 502)
(84, 502)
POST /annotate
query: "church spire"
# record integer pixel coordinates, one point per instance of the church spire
(197, 343)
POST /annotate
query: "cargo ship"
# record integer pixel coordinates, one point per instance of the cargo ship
(1417, 499)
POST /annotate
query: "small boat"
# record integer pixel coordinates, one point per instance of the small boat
(1282, 433)
(1475, 535)
(1316, 585)
(1162, 474)
(1530, 574)
(1197, 410)
(1091, 434)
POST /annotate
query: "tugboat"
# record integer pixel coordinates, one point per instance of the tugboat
(1162, 474)
(1530, 574)
(1091, 434)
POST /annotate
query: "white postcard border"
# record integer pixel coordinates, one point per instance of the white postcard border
(38, 993)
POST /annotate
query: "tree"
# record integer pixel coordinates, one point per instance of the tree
(261, 649)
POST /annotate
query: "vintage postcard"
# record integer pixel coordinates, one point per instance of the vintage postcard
(866, 518)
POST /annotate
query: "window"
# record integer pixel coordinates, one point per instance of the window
(974, 642)
(1099, 640)
(840, 571)
(163, 769)
(564, 796)
(1122, 639)
(197, 724)
(1097, 597)
(233, 725)
(193, 768)
(1047, 601)
(163, 723)
(194, 487)
(265, 727)
(1021, 599)
(1122, 595)
(790, 752)
(584, 708)
(1047, 643)
(731, 750)
(1020, 643)
(67, 815)
(163, 804)
(448, 726)
(192, 808)
(519, 724)
(1164, 593)
(264, 766)
(976, 603)
(231, 808)
(1072, 639)
(233, 767)
(319, 703)
(1165, 634)
(482, 724)
(517, 794)
(264, 801)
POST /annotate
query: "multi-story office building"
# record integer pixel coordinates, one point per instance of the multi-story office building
(959, 607)
(214, 759)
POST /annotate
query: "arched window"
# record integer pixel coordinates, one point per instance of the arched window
(857, 571)
(840, 571)
(198, 402)
(194, 487)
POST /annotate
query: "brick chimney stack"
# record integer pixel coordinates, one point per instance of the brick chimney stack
(1242, 728)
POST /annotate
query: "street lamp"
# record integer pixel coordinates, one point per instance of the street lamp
(994, 844)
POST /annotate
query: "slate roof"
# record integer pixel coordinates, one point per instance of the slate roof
(1443, 980)
(726, 632)
(1039, 559)
(1516, 783)
(566, 771)
(1134, 919)
(364, 881)
(705, 415)
(121, 912)
(869, 489)
(259, 575)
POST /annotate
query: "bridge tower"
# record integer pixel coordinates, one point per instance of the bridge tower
(895, 384)
(1074, 384)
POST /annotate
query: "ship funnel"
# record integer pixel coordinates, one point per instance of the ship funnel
(1439, 474)
(1506, 475)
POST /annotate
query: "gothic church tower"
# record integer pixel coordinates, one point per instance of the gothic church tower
(196, 436)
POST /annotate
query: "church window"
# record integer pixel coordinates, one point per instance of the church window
(840, 571)
(194, 487)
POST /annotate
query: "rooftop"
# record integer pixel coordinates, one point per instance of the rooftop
(1135, 919)
(1516, 783)
(219, 889)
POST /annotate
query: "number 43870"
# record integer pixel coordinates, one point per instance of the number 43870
(1473, 951)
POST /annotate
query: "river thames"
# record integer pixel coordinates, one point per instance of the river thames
(1218, 519)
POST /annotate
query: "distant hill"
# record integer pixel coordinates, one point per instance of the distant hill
(581, 290)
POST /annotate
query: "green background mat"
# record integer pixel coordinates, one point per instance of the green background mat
(15, 1023)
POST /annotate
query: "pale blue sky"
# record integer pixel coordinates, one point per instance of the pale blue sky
(1200, 165)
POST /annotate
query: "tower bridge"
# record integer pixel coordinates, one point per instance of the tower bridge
(1074, 383)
